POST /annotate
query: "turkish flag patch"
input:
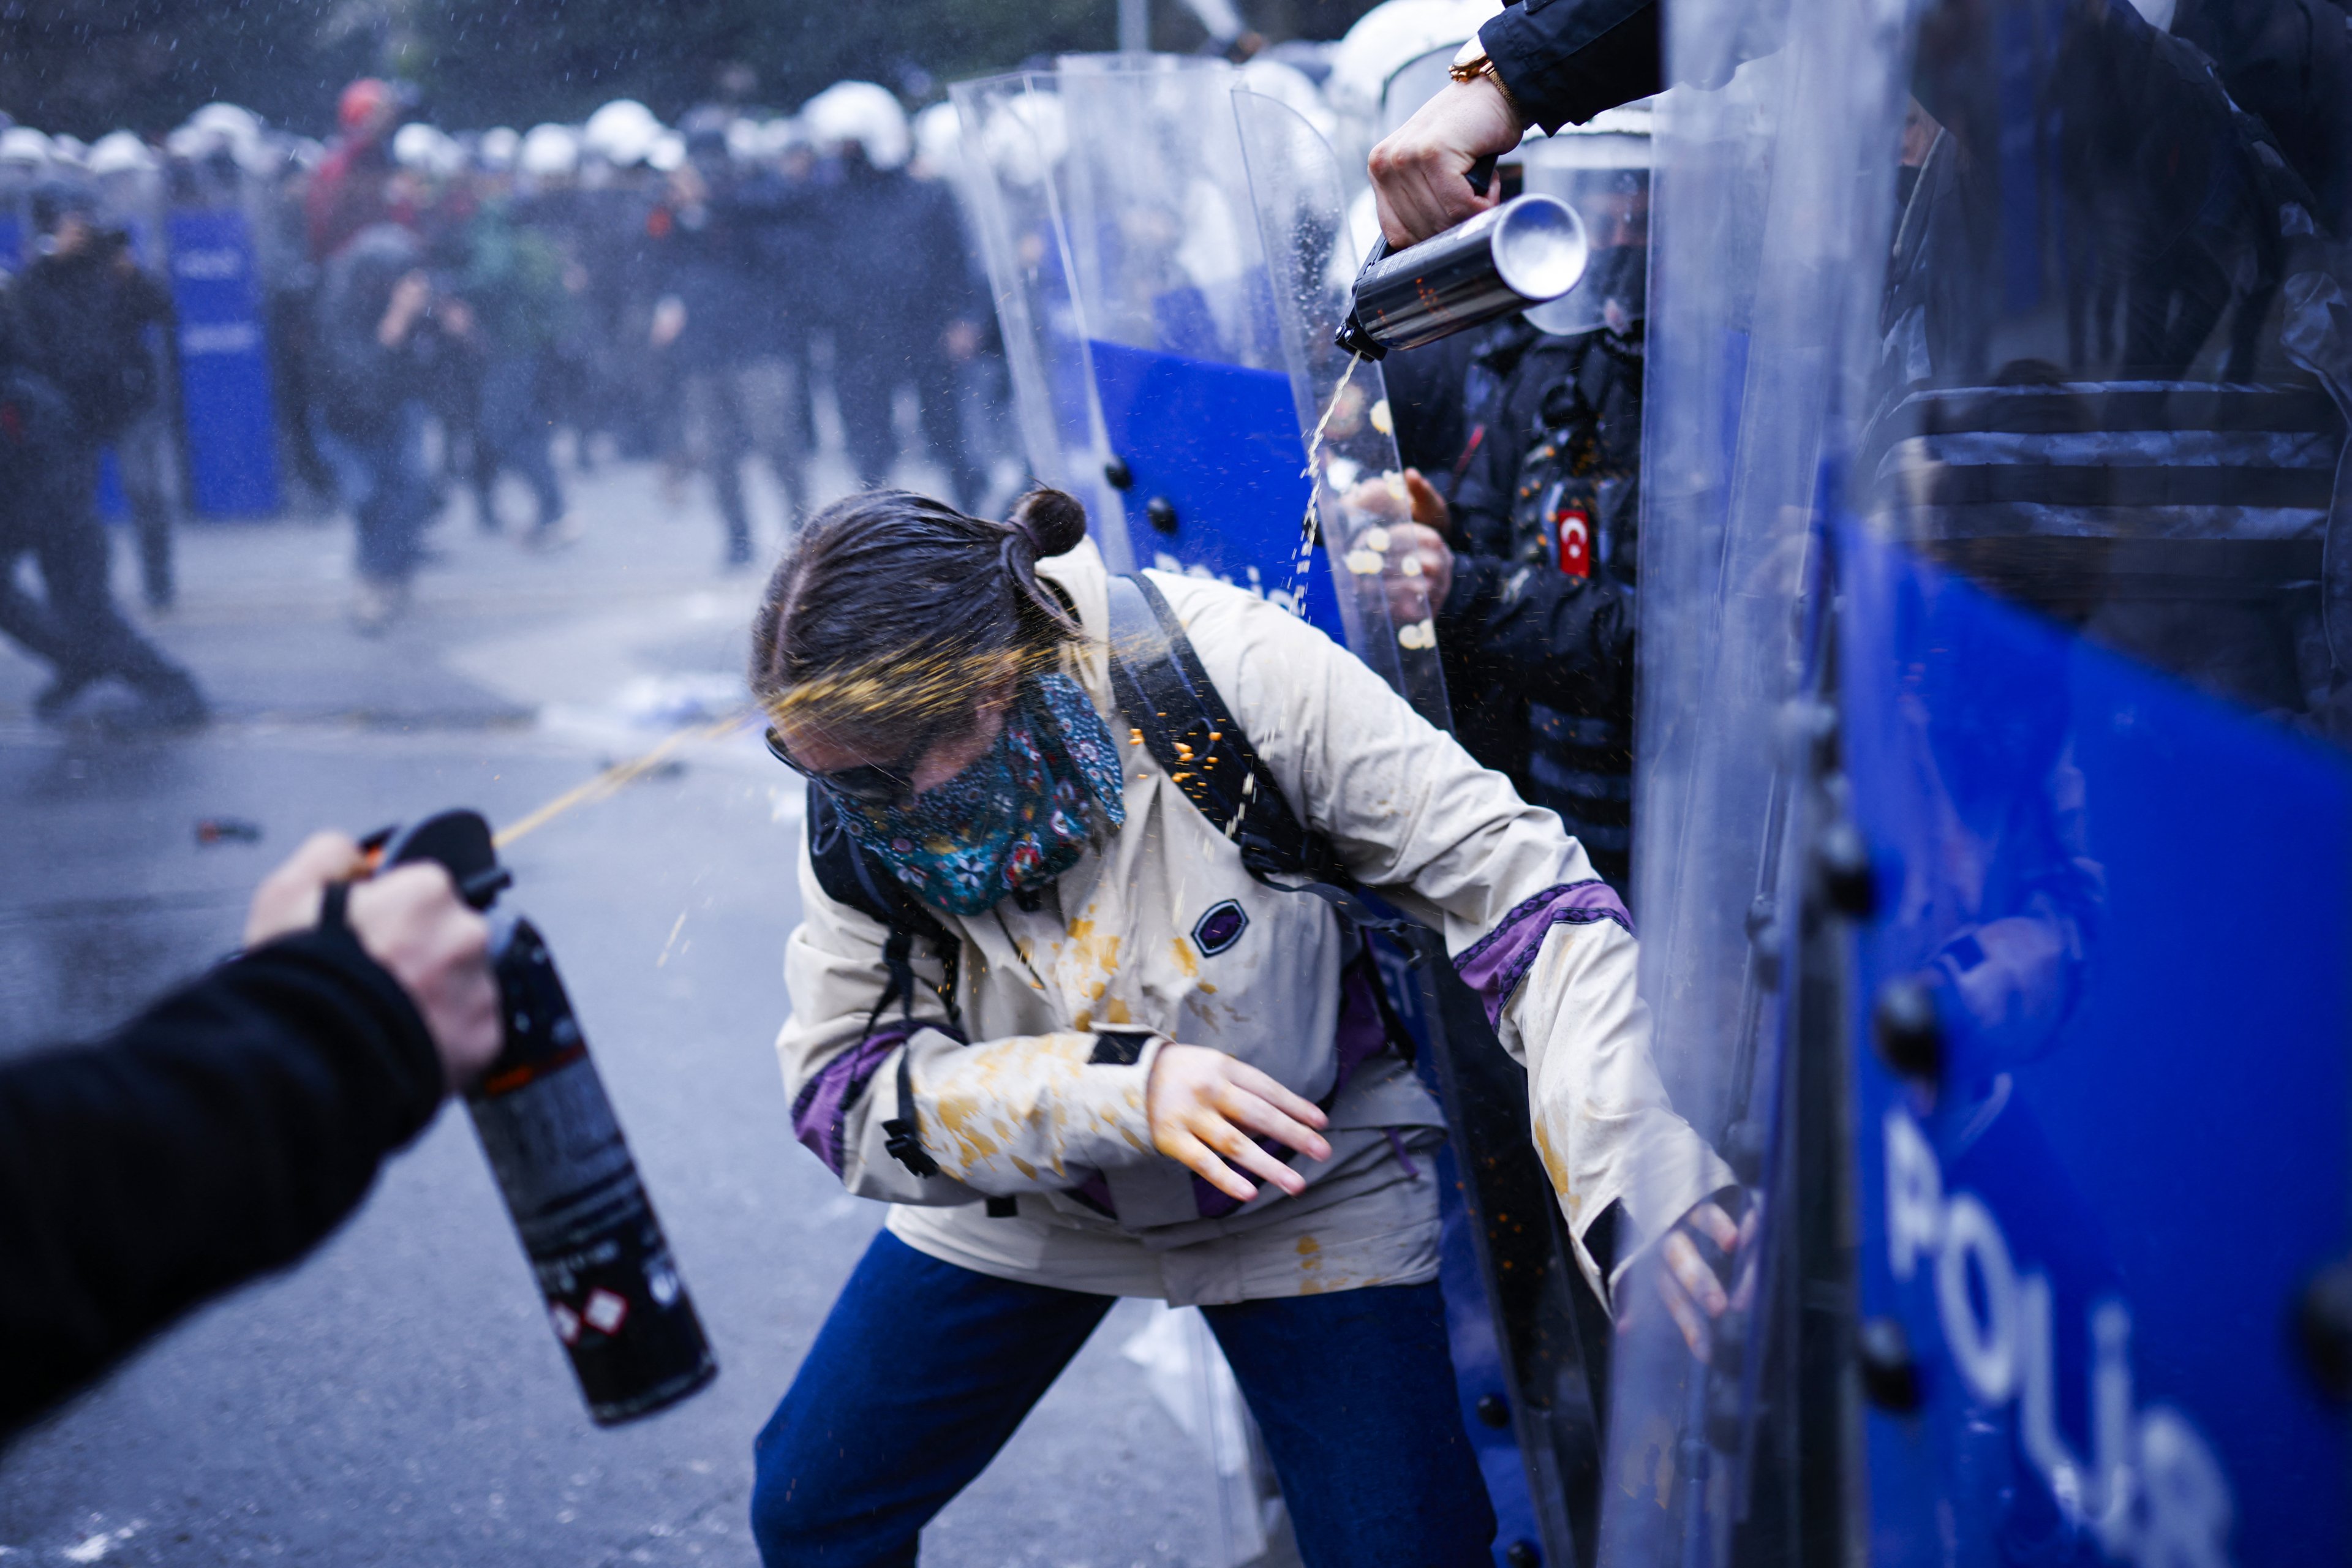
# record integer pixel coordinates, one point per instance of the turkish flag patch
(1573, 526)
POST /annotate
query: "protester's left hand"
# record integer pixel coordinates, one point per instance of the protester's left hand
(1692, 1291)
(1415, 500)
(1420, 563)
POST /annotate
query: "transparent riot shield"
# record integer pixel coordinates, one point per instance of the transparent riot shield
(1193, 392)
(1014, 169)
(1513, 1294)
(1997, 383)
(1299, 193)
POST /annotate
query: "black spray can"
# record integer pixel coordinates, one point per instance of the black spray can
(1528, 251)
(614, 1294)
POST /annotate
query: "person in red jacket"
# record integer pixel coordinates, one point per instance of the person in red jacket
(352, 189)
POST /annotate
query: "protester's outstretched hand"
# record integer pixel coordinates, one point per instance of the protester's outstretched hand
(1694, 1258)
(1412, 536)
(411, 920)
(1208, 1109)
(1420, 173)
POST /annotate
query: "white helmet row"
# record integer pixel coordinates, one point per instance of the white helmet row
(623, 132)
(119, 153)
(23, 145)
(549, 152)
(428, 150)
(865, 113)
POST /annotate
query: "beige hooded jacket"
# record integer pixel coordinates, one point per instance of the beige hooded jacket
(1161, 930)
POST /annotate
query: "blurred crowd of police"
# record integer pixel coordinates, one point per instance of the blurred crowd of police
(434, 307)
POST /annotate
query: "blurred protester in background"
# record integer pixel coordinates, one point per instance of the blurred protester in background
(229, 1127)
(787, 262)
(354, 188)
(512, 282)
(703, 231)
(378, 343)
(80, 371)
(146, 451)
(904, 310)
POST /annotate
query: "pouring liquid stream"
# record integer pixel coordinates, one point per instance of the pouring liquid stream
(1314, 455)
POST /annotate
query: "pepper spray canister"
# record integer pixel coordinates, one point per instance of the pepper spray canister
(1528, 251)
(613, 1291)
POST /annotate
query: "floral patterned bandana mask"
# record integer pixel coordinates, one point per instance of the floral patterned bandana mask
(1013, 820)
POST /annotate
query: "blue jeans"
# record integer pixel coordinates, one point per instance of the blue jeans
(923, 1370)
(382, 476)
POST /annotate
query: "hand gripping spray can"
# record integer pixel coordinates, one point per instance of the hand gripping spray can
(612, 1288)
(1527, 251)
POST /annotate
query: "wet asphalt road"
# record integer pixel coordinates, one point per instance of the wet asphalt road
(399, 1398)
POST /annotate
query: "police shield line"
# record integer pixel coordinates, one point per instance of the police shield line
(1903, 579)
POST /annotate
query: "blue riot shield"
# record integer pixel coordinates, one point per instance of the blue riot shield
(1150, 369)
(225, 386)
(1993, 602)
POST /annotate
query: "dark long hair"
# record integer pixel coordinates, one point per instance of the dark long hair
(892, 612)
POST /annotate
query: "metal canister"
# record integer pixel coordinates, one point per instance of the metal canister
(1528, 251)
(614, 1295)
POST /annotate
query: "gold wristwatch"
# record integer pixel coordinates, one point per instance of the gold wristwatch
(1471, 62)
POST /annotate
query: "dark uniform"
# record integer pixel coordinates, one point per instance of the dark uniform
(900, 279)
(74, 369)
(1538, 633)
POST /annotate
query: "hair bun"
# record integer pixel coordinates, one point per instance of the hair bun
(1054, 520)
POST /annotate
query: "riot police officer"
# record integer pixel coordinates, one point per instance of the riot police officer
(1536, 628)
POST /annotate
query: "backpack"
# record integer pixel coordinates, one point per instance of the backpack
(1161, 689)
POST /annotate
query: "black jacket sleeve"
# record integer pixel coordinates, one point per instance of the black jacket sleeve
(220, 1134)
(1566, 60)
(1565, 642)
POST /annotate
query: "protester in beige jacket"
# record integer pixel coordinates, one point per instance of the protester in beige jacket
(1159, 1077)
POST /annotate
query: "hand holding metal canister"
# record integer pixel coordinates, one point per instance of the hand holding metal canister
(1529, 250)
(612, 1293)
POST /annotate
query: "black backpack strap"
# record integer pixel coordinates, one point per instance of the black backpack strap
(1157, 678)
(851, 874)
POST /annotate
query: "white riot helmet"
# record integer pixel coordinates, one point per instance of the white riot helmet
(25, 147)
(1289, 85)
(623, 132)
(498, 147)
(71, 151)
(232, 122)
(939, 138)
(864, 113)
(416, 146)
(1025, 137)
(549, 153)
(746, 139)
(1394, 59)
(667, 154)
(1603, 170)
(119, 153)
